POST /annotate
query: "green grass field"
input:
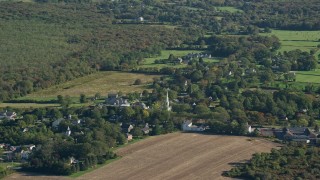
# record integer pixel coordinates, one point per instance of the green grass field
(303, 40)
(9, 164)
(26, 105)
(291, 40)
(308, 76)
(229, 9)
(149, 62)
(102, 82)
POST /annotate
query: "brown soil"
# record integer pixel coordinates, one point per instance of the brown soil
(176, 156)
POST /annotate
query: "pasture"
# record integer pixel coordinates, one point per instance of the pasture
(229, 9)
(149, 62)
(27, 105)
(305, 41)
(101, 82)
(308, 76)
(175, 156)
(291, 40)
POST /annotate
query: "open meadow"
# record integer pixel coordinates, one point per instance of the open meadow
(305, 41)
(175, 156)
(308, 76)
(291, 40)
(101, 82)
(229, 9)
(26, 105)
(149, 62)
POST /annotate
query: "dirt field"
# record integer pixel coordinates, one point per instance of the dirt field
(176, 156)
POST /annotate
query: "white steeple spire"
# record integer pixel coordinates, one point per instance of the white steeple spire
(68, 133)
(168, 102)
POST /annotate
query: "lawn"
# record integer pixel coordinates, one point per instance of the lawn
(291, 40)
(149, 62)
(212, 60)
(308, 76)
(229, 9)
(27, 105)
(9, 164)
(101, 82)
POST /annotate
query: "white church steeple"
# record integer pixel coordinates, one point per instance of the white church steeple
(68, 132)
(168, 102)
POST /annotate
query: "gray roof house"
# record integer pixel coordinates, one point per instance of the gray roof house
(115, 100)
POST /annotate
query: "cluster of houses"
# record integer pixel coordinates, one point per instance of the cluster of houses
(117, 101)
(189, 127)
(11, 153)
(191, 56)
(126, 128)
(296, 134)
(8, 115)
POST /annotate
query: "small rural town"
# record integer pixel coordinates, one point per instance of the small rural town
(159, 89)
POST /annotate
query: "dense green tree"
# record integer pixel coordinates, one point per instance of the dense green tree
(83, 98)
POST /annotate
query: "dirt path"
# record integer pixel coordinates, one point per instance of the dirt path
(175, 156)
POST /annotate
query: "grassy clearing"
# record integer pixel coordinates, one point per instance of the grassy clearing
(27, 105)
(305, 41)
(166, 53)
(212, 60)
(229, 9)
(308, 76)
(102, 82)
(149, 62)
(165, 25)
(291, 40)
(9, 164)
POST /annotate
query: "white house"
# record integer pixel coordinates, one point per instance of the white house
(68, 132)
(141, 19)
(168, 107)
(187, 126)
(29, 147)
(250, 130)
(8, 115)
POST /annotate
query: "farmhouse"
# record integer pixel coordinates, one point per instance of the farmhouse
(140, 104)
(300, 134)
(126, 127)
(129, 136)
(115, 100)
(146, 129)
(197, 55)
(22, 151)
(8, 115)
(187, 126)
(266, 132)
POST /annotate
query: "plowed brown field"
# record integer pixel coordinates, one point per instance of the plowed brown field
(175, 156)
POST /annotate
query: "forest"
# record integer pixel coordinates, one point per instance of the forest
(292, 162)
(46, 43)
